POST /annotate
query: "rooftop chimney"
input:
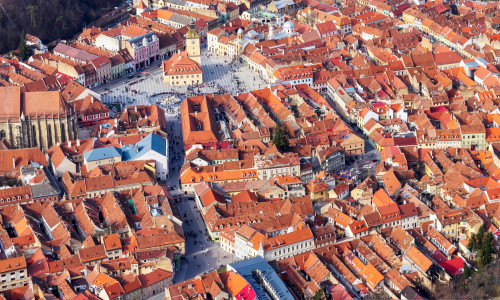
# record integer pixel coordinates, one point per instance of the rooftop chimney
(69, 143)
(13, 162)
(78, 142)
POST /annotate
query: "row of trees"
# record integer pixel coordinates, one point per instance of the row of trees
(482, 283)
(482, 244)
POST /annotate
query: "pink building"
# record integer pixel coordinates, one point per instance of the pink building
(145, 45)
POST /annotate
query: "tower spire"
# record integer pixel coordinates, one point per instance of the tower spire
(193, 43)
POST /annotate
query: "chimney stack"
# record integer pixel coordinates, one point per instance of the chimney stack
(78, 142)
(13, 162)
(69, 143)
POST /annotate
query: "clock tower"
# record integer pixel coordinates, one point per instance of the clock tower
(193, 44)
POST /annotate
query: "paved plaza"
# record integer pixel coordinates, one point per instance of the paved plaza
(229, 76)
(220, 75)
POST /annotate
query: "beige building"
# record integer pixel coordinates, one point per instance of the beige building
(269, 166)
(473, 137)
(101, 156)
(13, 273)
(354, 145)
(181, 70)
(184, 68)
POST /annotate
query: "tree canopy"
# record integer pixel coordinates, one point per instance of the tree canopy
(49, 19)
(281, 138)
(23, 49)
(482, 243)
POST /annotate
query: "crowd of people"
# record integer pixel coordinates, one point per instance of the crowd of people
(169, 97)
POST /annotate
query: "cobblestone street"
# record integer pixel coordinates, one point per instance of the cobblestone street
(220, 76)
(201, 254)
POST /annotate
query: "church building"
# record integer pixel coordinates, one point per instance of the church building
(36, 119)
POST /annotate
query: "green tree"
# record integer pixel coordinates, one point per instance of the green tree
(483, 243)
(281, 137)
(487, 249)
(472, 245)
(490, 242)
(480, 236)
(467, 272)
(319, 113)
(24, 50)
(318, 295)
(480, 258)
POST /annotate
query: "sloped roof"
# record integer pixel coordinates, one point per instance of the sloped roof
(102, 153)
(152, 142)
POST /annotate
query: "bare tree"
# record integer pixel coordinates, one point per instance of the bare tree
(32, 10)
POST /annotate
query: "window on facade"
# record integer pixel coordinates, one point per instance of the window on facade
(33, 135)
(63, 133)
(49, 136)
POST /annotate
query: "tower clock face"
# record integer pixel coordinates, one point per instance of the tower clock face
(192, 42)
